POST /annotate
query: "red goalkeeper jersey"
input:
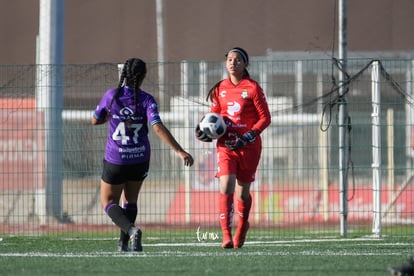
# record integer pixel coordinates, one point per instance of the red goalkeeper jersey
(243, 107)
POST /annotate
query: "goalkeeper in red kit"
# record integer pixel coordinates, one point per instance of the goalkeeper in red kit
(241, 102)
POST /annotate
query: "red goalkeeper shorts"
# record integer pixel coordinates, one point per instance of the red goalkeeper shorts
(242, 163)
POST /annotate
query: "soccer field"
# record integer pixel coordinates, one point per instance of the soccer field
(84, 256)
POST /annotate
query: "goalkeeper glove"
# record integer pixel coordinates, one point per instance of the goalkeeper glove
(241, 140)
(200, 135)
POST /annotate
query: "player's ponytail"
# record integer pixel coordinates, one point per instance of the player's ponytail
(120, 84)
(210, 94)
(138, 71)
(132, 75)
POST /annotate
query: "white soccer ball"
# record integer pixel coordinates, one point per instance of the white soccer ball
(213, 125)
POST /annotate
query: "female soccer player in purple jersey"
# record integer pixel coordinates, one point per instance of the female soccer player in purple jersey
(128, 109)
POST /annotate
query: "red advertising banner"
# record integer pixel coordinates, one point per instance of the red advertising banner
(21, 146)
(291, 205)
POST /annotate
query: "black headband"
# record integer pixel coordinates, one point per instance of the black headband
(241, 52)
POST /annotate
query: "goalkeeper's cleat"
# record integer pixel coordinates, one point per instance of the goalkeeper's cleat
(227, 244)
(135, 239)
(122, 246)
(227, 239)
(240, 235)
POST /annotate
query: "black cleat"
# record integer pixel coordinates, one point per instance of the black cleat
(135, 239)
(403, 270)
(122, 246)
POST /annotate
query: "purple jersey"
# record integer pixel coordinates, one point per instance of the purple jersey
(127, 141)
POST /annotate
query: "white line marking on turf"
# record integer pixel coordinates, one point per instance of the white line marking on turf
(291, 243)
(196, 254)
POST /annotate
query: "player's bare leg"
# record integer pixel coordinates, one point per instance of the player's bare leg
(110, 197)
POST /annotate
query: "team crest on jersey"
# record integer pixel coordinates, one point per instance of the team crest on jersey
(223, 93)
(244, 94)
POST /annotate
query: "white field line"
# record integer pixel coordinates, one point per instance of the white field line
(356, 241)
(276, 244)
(198, 254)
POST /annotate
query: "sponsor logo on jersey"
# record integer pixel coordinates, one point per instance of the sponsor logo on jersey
(132, 153)
(126, 114)
(132, 150)
(232, 108)
(126, 111)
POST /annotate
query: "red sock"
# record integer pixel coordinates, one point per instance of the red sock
(226, 215)
(243, 209)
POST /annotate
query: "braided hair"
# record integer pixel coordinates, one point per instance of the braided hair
(132, 75)
(245, 57)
